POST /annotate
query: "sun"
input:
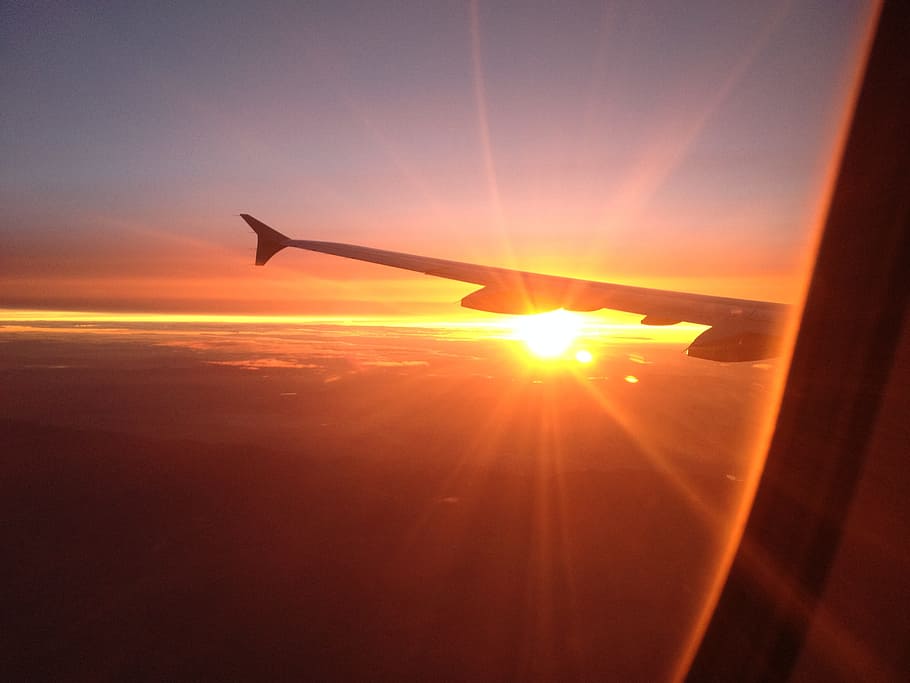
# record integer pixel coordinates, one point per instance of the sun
(548, 335)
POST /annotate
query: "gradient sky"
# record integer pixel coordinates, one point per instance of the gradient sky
(680, 145)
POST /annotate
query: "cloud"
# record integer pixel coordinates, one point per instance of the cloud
(395, 363)
(260, 363)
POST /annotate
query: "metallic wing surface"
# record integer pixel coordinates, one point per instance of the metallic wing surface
(740, 329)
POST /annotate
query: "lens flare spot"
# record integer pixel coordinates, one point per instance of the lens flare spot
(583, 356)
(631, 379)
(548, 335)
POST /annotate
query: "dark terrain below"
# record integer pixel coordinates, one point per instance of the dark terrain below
(356, 508)
(151, 559)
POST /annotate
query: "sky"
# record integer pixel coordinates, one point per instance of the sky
(678, 145)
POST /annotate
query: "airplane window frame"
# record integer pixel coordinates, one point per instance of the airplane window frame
(843, 360)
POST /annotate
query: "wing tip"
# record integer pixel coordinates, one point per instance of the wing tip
(269, 241)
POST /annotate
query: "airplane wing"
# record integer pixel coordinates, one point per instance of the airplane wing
(740, 329)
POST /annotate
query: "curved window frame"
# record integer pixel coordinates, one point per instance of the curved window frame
(843, 360)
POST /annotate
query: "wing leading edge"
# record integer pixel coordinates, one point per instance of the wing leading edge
(740, 329)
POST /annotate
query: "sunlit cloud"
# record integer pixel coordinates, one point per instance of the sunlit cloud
(396, 363)
(584, 356)
(263, 363)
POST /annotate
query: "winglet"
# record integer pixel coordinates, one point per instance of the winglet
(270, 240)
